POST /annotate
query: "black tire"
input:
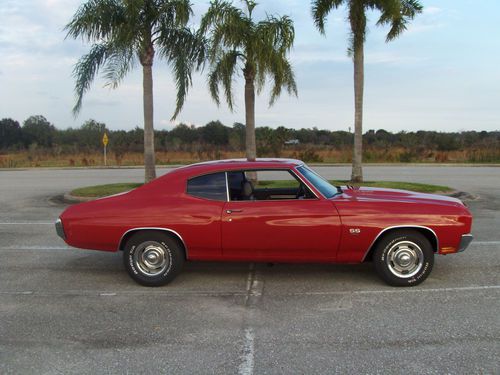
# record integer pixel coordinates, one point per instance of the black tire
(153, 258)
(403, 258)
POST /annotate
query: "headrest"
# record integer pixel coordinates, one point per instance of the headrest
(247, 189)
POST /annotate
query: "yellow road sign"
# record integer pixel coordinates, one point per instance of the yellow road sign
(105, 139)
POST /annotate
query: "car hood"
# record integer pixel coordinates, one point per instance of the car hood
(395, 195)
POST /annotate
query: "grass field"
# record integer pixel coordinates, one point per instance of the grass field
(413, 186)
(104, 190)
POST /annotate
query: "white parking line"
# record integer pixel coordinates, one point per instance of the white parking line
(238, 293)
(247, 358)
(100, 293)
(36, 248)
(28, 223)
(251, 275)
(393, 291)
(485, 243)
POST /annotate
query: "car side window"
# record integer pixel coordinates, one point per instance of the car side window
(262, 185)
(209, 186)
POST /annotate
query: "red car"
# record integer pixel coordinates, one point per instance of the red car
(267, 211)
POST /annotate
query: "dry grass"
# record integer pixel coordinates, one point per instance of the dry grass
(328, 155)
(24, 159)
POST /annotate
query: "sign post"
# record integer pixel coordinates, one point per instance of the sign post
(105, 141)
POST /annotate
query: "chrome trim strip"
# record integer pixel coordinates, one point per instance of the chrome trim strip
(154, 228)
(465, 242)
(227, 188)
(401, 226)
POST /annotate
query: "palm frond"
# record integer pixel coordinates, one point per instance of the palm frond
(263, 46)
(85, 71)
(228, 37)
(221, 12)
(320, 10)
(276, 32)
(227, 26)
(96, 19)
(123, 29)
(185, 50)
(282, 74)
(118, 63)
(222, 74)
(175, 13)
(397, 14)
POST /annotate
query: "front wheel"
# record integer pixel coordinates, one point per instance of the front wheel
(152, 258)
(403, 258)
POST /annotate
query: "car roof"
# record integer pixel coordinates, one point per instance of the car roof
(235, 164)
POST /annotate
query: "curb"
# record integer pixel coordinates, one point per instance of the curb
(68, 198)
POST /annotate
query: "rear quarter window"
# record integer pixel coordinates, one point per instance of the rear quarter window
(210, 186)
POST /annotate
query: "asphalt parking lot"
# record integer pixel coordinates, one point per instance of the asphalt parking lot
(65, 310)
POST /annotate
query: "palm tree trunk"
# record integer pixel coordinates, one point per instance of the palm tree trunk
(251, 150)
(357, 171)
(149, 141)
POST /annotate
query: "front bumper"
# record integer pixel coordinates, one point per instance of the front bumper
(465, 242)
(60, 229)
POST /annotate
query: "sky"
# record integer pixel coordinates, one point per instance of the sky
(442, 74)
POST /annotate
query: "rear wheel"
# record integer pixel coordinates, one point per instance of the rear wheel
(403, 258)
(153, 258)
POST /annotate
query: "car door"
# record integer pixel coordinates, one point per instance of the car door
(283, 227)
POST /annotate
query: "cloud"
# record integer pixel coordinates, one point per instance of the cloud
(432, 18)
(98, 102)
(391, 58)
(319, 55)
(174, 123)
(432, 10)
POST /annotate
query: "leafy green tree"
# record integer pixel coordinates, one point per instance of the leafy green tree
(270, 141)
(237, 137)
(186, 134)
(215, 133)
(259, 49)
(10, 133)
(37, 129)
(94, 126)
(396, 14)
(91, 133)
(127, 31)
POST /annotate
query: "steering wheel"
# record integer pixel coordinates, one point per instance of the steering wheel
(300, 192)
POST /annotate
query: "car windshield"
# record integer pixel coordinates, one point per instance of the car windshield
(327, 189)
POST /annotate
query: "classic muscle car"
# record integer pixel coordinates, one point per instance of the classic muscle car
(277, 210)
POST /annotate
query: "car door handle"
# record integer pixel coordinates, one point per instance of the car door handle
(231, 211)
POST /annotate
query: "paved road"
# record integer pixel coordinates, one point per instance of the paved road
(73, 311)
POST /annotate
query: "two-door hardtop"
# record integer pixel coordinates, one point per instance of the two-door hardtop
(223, 210)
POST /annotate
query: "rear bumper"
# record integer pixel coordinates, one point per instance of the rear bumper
(465, 242)
(60, 229)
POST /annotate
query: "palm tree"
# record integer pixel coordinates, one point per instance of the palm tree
(397, 14)
(126, 31)
(259, 49)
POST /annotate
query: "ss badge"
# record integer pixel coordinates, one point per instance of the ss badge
(355, 231)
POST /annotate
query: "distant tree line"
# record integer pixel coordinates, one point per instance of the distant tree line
(37, 133)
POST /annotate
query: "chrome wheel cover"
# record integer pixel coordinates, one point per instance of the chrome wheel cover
(151, 258)
(405, 259)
